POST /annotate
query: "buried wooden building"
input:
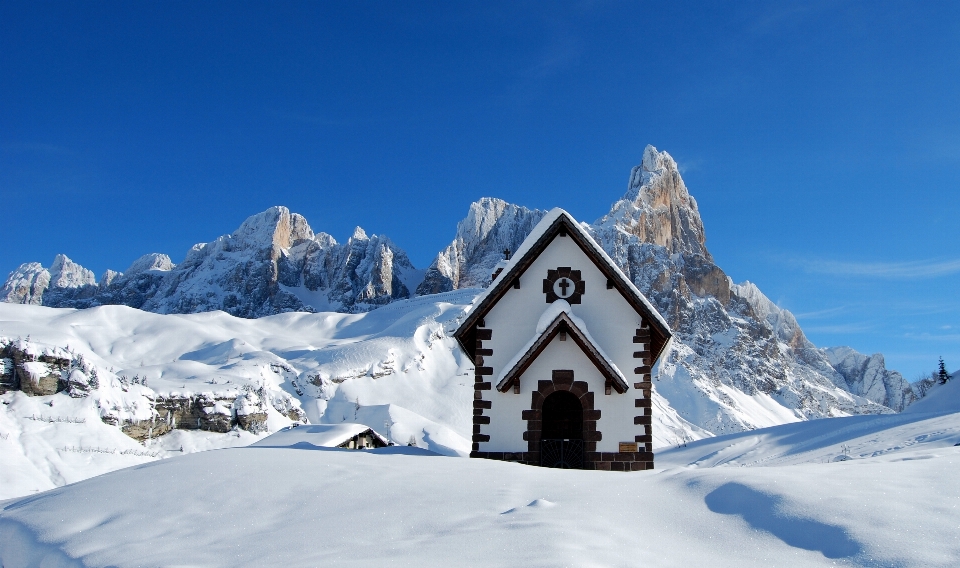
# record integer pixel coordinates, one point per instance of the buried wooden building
(346, 435)
(563, 344)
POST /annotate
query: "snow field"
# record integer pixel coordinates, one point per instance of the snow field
(401, 506)
(865, 490)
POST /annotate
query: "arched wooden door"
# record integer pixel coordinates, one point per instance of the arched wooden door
(561, 439)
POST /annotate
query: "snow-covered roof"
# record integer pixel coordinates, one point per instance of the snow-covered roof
(556, 318)
(535, 242)
(320, 435)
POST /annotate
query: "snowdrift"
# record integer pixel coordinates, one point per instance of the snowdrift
(864, 491)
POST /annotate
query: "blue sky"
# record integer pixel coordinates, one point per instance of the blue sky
(821, 139)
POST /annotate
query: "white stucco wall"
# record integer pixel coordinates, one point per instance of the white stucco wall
(609, 319)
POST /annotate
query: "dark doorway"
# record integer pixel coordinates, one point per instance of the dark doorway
(562, 416)
(561, 437)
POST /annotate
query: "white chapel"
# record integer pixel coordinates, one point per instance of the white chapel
(563, 343)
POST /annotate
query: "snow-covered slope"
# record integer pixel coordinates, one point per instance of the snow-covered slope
(940, 398)
(207, 380)
(226, 379)
(859, 491)
(273, 263)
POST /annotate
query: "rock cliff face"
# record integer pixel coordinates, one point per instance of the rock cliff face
(491, 227)
(36, 372)
(273, 263)
(869, 377)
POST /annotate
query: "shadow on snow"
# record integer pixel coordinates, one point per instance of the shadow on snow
(761, 511)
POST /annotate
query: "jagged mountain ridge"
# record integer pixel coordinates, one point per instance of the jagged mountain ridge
(272, 263)
(738, 360)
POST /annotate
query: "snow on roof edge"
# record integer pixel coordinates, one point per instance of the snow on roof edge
(549, 316)
(321, 435)
(538, 231)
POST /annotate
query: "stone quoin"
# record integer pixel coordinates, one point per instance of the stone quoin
(562, 344)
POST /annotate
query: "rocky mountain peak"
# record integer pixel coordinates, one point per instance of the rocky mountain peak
(64, 273)
(657, 207)
(359, 234)
(151, 261)
(490, 227)
(275, 227)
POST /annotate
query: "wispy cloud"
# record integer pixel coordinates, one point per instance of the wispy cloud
(687, 165)
(820, 314)
(861, 327)
(560, 54)
(912, 270)
(942, 337)
(776, 16)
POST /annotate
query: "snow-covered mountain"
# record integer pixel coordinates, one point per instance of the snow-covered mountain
(737, 362)
(273, 263)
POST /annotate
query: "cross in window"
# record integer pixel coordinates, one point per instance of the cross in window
(564, 284)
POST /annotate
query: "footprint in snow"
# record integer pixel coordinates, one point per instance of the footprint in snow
(536, 504)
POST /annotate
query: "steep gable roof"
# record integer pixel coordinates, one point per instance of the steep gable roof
(559, 223)
(563, 322)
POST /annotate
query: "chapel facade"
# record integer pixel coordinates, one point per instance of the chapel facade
(563, 344)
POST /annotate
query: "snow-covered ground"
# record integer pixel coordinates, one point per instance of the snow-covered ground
(861, 491)
(396, 369)
(874, 490)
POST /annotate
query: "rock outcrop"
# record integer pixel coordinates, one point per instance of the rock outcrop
(140, 412)
(491, 227)
(35, 371)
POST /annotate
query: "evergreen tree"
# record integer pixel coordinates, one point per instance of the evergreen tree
(942, 375)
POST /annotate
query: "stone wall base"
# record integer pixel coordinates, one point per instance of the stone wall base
(605, 461)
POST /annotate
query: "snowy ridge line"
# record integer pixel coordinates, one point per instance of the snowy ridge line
(453, 297)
